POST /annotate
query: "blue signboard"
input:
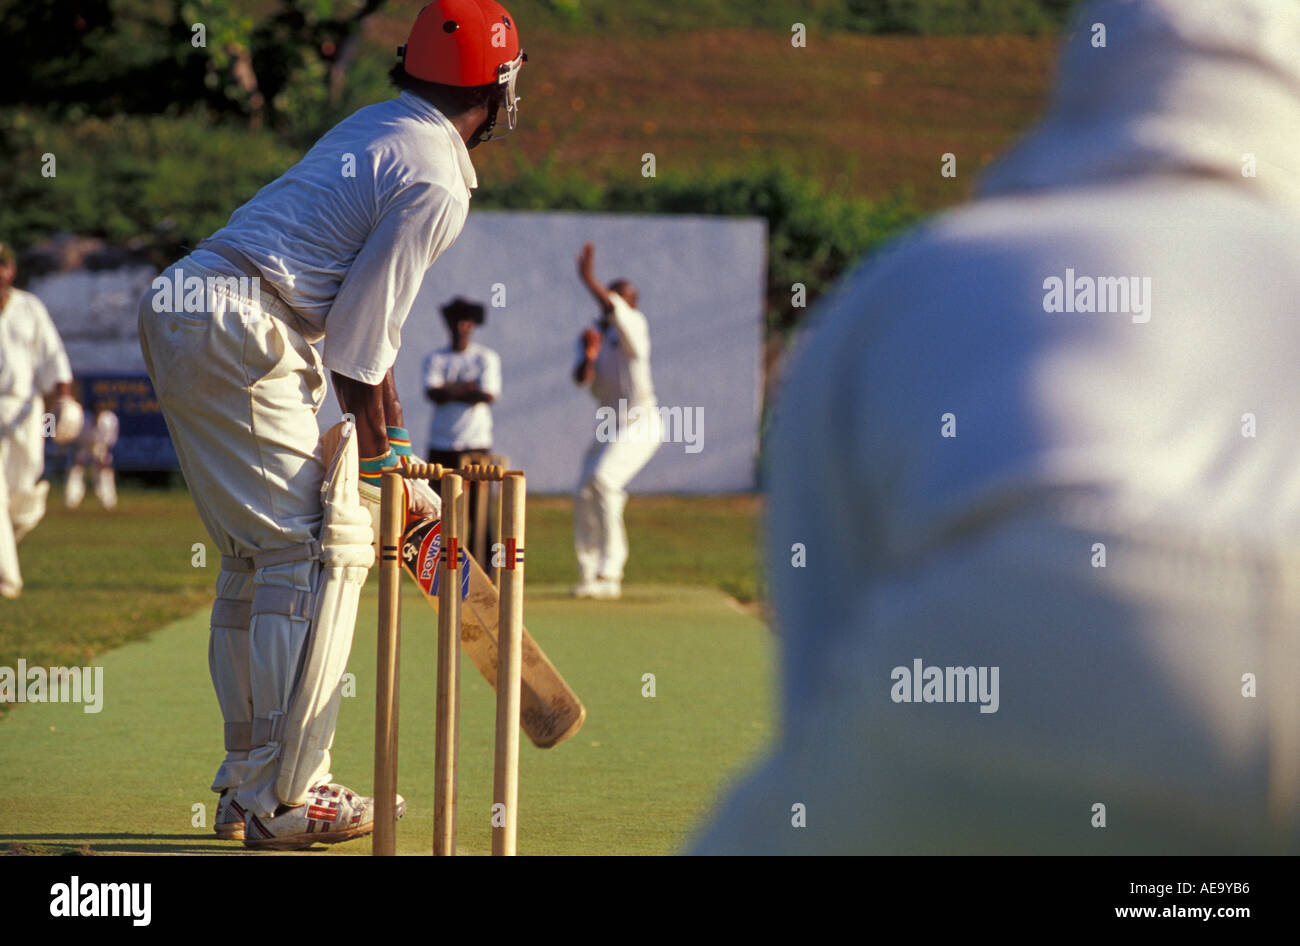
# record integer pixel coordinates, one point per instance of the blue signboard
(142, 442)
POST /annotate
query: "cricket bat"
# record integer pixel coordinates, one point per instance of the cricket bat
(549, 711)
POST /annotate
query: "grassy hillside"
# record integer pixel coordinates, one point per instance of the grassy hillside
(865, 114)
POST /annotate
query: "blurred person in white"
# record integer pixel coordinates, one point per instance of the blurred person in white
(463, 380)
(33, 365)
(93, 450)
(614, 364)
(974, 452)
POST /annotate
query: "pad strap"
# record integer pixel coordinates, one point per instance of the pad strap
(230, 563)
(298, 553)
(239, 737)
(231, 614)
(279, 599)
(266, 730)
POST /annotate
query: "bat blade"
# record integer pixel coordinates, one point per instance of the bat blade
(549, 712)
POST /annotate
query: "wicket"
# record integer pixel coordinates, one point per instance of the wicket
(505, 786)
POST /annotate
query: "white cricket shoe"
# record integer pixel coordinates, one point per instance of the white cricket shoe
(585, 589)
(75, 490)
(603, 589)
(106, 489)
(332, 813)
(229, 821)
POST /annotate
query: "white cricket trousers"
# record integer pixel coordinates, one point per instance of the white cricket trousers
(240, 389)
(22, 495)
(599, 537)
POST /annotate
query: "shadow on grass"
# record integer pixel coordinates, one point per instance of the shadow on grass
(91, 844)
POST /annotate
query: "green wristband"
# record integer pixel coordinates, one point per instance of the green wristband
(399, 439)
(372, 469)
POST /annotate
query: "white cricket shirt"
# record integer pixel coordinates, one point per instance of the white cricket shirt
(623, 366)
(346, 234)
(457, 425)
(32, 359)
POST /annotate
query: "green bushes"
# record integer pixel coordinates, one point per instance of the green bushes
(163, 183)
(157, 180)
(952, 17)
(813, 236)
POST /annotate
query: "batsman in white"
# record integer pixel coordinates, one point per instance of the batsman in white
(1055, 435)
(333, 252)
(33, 365)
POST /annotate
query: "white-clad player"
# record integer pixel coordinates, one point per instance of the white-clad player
(615, 362)
(33, 365)
(1050, 597)
(93, 450)
(339, 246)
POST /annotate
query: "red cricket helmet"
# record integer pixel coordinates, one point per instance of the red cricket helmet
(466, 43)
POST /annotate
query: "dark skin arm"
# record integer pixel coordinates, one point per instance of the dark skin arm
(584, 372)
(586, 369)
(366, 403)
(467, 391)
(392, 406)
(586, 272)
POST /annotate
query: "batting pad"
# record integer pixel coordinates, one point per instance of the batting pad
(299, 736)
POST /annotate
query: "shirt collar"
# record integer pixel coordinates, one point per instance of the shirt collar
(422, 107)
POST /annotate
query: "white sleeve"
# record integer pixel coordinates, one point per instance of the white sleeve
(52, 365)
(435, 371)
(633, 330)
(490, 383)
(363, 330)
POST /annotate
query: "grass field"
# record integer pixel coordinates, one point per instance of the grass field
(638, 778)
(97, 580)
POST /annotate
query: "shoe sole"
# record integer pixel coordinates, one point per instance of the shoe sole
(300, 842)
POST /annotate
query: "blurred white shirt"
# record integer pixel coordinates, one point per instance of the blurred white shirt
(32, 358)
(457, 425)
(623, 365)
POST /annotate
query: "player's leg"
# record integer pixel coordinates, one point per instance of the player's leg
(201, 353)
(75, 488)
(616, 467)
(229, 665)
(26, 463)
(588, 534)
(240, 392)
(11, 578)
(106, 484)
